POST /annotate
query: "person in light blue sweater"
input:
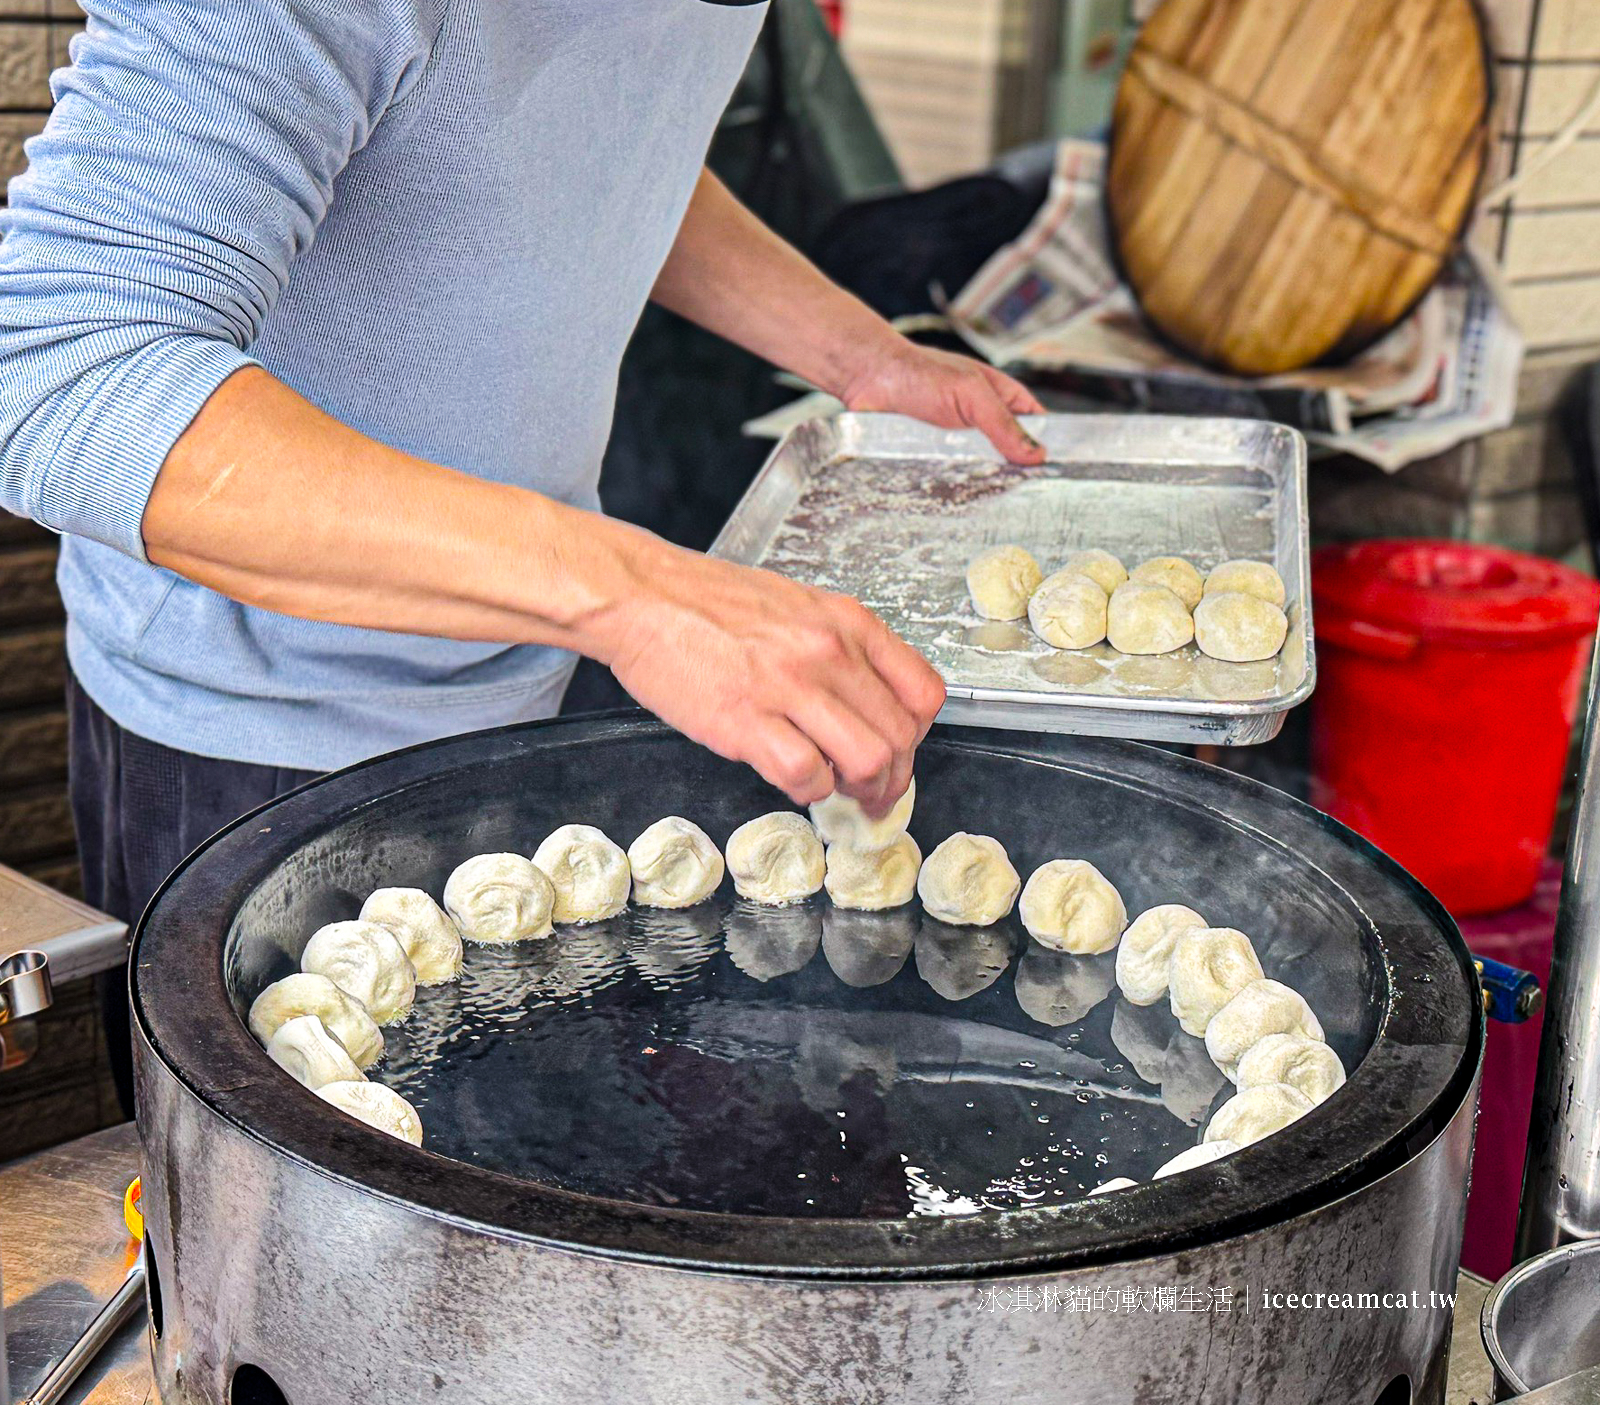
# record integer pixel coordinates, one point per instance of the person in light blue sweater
(310, 321)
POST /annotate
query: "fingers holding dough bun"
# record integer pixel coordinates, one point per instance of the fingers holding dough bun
(841, 820)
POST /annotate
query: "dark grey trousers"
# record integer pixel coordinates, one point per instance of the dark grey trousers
(139, 808)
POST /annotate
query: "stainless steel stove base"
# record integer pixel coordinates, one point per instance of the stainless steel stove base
(338, 1294)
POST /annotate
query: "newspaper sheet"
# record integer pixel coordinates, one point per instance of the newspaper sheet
(1050, 307)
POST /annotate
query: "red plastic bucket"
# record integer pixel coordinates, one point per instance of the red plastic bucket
(1448, 680)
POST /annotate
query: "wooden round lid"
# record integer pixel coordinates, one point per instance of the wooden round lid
(1287, 177)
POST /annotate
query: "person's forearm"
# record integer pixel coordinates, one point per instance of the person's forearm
(731, 274)
(270, 501)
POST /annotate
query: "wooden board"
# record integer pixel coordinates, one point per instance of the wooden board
(1289, 176)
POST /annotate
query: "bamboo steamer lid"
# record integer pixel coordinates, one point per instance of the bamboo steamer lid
(1288, 177)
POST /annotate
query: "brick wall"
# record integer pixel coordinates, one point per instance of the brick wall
(35, 824)
(1547, 62)
(54, 1075)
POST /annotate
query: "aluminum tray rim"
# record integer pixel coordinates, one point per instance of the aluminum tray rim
(1204, 431)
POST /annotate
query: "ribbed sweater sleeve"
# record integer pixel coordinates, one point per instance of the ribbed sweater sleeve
(194, 148)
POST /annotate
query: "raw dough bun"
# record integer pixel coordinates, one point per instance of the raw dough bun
(1176, 574)
(1258, 1112)
(1239, 628)
(1306, 1064)
(377, 1106)
(872, 881)
(431, 940)
(1210, 965)
(304, 1048)
(1261, 1008)
(1100, 566)
(1145, 951)
(1069, 905)
(500, 898)
(1195, 1157)
(343, 1017)
(368, 963)
(968, 881)
(1068, 611)
(841, 820)
(1144, 618)
(1115, 1183)
(776, 859)
(590, 874)
(1000, 580)
(674, 864)
(1248, 578)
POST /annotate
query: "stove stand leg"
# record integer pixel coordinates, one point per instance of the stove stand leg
(1561, 1185)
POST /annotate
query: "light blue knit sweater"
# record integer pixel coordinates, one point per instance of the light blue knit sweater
(437, 219)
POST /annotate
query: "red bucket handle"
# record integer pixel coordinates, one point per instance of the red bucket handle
(1360, 637)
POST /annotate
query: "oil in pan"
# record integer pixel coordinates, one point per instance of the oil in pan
(714, 1059)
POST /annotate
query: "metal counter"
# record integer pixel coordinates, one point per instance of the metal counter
(78, 940)
(63, 1251)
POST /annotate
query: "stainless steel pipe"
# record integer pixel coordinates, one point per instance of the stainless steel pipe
(25, 985)
(1561, 1182)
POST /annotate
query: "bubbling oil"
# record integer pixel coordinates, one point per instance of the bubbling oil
(799, 1062)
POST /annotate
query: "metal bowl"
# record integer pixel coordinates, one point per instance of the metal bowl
(1541, 1322)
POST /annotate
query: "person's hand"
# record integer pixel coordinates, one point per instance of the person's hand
(951, 391)
(809, 688)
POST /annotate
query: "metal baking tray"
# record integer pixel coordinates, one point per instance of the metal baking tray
(891, 510)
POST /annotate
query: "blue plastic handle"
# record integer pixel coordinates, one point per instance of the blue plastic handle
(1510, 994)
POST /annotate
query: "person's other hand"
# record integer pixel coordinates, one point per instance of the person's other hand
(809, 688)
(954, 392)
